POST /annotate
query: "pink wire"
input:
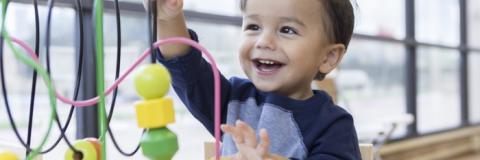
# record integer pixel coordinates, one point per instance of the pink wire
(146, 53)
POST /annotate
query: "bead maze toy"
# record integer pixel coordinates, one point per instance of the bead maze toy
(154, 112)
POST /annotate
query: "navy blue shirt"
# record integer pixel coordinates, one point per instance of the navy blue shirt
(299, 129)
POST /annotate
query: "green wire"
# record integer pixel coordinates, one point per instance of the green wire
(41, 71)
(100, 75)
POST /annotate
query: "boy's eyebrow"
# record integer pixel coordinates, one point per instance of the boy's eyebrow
(283, 19)
(292, 19)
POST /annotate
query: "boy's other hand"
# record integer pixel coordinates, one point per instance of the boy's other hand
(166, 9)
(247, 144)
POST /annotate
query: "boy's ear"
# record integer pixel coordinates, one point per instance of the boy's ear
(332, 58)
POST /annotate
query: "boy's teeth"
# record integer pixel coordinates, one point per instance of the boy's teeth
(266, 62)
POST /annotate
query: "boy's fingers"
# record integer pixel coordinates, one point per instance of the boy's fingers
(237, 156)
(226, 128)
(234, 131)
(250, 139)
(264, 145)
(248, 134)
(245, 126)
(166, 8)
(173, 4)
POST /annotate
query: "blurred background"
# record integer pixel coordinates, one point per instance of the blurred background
(410, 78)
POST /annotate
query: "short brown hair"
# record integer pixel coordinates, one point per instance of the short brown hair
(340, 14)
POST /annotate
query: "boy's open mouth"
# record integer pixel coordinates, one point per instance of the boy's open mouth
(264, 65)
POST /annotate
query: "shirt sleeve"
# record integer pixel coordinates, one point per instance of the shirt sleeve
(339, 142)
(192, 80)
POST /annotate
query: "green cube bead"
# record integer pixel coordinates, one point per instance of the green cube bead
(159, 144)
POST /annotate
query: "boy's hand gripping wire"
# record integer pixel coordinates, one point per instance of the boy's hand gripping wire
(167, 9)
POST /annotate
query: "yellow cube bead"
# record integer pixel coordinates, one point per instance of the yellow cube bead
(155, 113)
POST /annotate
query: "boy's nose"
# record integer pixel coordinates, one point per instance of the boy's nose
(266, 41)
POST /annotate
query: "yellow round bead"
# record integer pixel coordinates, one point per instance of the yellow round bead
(88, 150)
(152, 81)
(8, 155)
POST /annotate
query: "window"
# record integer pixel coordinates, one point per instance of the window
(438, 21)
(474, 87)
(438, 94)
(473, 19)
(368, 71)
(381, 18)
(230, 7)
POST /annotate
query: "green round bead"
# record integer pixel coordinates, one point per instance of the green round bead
(152, 81)
(159, 144)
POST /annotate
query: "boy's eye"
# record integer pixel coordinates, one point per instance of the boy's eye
(288, 30)
(252, 27)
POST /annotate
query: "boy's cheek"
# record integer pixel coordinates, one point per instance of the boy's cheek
(245, 48)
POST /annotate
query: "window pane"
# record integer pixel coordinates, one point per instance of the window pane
(474, 86)
(438, 21)
(371, 84)
(473, 22)
(21, 24)
(229, 7)
(376, 18)
(438, 89)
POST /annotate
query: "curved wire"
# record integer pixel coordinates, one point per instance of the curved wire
(115, 143)
(78, 7)
(115, 92)
(4, 86)
(62, 133)
(47, 55)
(41, 71)
(34, 77)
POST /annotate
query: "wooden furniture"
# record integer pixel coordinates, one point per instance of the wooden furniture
(446, 145)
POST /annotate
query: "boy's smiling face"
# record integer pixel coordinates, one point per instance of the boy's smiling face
(285, 45)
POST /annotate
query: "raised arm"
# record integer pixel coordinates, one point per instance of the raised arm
(192, 76)
(170, 23)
